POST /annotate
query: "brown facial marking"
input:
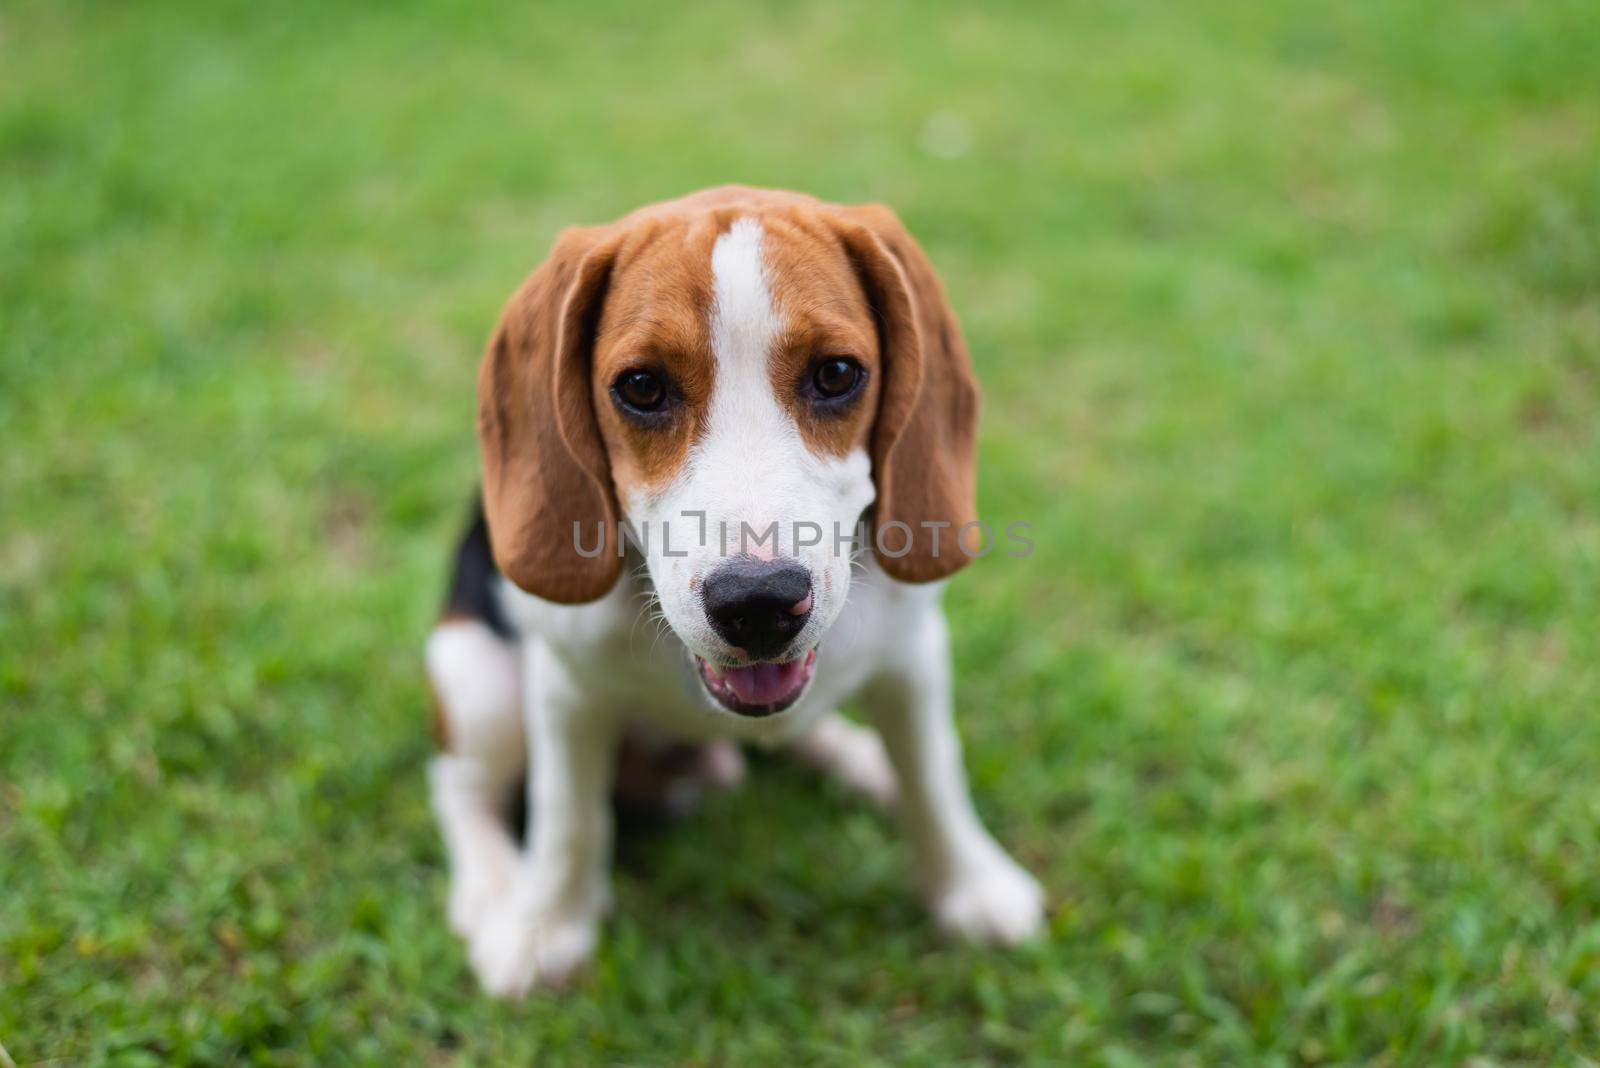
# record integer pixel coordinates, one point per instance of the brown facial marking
(836, 296)
(826, 315)
(556, 456)
(656, 319)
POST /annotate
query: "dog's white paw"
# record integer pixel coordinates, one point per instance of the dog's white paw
(515, 950)
(854, 755)
(864, 767)
(992, 901)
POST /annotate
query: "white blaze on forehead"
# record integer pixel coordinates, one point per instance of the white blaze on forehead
(743, 319)
(752, 446)
(744, 323)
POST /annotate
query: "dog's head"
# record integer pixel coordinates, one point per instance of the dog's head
(738, 377)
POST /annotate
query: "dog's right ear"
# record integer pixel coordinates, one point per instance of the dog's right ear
(546, 477)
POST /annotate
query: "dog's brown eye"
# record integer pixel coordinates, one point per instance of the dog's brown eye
(836, 378)
(640, 391)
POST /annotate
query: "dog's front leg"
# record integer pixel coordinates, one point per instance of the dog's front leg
(545, 929)
(974, 889)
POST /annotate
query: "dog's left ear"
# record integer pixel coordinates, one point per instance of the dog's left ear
(546, 477)
(924, 443)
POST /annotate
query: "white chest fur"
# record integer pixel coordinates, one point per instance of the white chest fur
(531, 914)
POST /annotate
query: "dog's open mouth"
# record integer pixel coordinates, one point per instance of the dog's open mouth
(758, 689)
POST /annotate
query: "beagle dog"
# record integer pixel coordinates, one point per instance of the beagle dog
(728, 450)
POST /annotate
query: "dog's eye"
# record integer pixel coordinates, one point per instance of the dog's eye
(640, 391)
(836, 378)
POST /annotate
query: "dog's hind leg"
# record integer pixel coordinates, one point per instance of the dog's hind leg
(658, 777)
(852, 754)
(474, 667)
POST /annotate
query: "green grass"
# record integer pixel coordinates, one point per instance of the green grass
(1289, 323)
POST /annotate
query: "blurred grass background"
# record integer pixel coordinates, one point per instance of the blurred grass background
(1289, 321)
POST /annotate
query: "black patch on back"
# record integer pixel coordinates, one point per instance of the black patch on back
(474, 581)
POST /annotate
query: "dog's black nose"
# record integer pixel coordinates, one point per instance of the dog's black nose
(758, 605)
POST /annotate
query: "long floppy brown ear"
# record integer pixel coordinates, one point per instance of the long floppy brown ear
(924, 443)
(544, 466)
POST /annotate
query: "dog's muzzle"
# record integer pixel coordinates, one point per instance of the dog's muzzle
(758, 607)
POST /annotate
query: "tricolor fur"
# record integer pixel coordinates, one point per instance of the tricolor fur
(737, 361)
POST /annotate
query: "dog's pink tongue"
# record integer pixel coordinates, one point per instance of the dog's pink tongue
(765, 684)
